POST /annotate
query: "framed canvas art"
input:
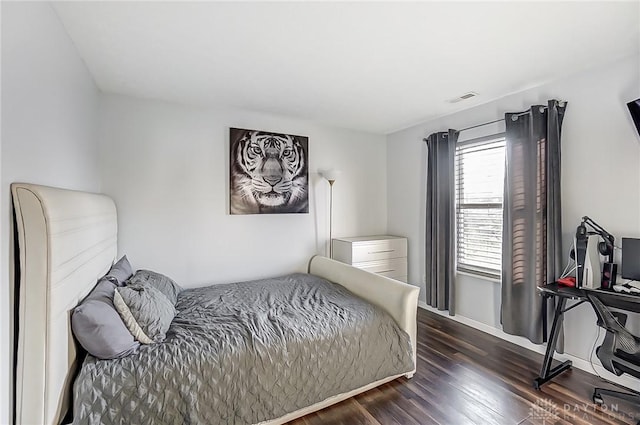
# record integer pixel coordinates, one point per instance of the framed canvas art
(269, 172)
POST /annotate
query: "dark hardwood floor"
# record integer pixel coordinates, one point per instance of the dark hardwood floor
(466, 376)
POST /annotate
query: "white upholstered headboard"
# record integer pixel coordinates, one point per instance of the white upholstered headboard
(67, 240)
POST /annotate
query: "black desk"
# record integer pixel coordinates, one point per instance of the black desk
(614, 299)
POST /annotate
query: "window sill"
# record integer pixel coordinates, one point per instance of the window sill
(479, 276)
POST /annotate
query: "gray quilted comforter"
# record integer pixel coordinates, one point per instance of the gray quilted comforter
(245, 353)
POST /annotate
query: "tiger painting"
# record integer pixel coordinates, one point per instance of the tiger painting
(269, 173)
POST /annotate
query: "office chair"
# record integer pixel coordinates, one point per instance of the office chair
(619, 352)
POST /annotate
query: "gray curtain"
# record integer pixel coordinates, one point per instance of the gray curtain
(440, 225)
(532, 231)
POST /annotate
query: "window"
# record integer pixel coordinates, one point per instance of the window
(479, 191)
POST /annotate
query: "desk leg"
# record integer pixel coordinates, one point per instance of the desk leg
(547, 373)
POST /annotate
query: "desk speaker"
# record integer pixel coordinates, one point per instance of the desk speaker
(609, 272)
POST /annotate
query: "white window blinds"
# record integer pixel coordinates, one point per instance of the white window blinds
(479, 191)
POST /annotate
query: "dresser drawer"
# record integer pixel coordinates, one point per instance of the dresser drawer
(378, 250)
(394, 268)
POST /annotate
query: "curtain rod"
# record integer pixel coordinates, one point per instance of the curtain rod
(542, 108)
(480, 125)
(514, 117)
(469, 128)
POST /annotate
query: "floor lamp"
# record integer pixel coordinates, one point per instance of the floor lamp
(330, 175)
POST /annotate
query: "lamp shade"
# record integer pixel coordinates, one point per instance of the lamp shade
(330, 174)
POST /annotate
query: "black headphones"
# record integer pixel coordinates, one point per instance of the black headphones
(605, 248)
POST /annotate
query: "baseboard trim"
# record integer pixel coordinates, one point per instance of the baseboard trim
(580, 363)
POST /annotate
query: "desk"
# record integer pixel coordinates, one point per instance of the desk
(618, 300)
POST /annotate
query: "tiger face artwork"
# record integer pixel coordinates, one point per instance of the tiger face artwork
(269, 173)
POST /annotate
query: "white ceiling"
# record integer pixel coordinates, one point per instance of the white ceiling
(377, 67)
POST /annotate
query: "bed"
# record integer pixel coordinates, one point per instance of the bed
(68, 240)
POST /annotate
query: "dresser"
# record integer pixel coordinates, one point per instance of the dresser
(384, 255)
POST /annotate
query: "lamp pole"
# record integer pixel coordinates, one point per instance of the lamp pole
(330, 175)
(331, 182)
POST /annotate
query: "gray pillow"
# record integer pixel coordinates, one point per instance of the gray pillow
(120, 271)
(145, 311)
(162, 283)
(98, 326)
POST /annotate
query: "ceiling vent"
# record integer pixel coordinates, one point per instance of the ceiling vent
(465, 96)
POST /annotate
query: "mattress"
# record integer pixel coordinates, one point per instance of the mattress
(244, 353)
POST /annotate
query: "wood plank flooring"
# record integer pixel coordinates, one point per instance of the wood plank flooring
(466, 376)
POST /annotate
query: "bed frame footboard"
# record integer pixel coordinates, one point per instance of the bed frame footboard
(398, 299)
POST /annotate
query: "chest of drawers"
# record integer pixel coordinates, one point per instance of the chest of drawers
(384, 255)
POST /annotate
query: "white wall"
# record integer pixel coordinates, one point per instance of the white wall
(600, 178)
(49, 132)
(166, 166)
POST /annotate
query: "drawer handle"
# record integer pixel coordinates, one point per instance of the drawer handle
(379, 252)
(386, 271)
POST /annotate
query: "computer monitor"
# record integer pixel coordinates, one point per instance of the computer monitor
(631, 258)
